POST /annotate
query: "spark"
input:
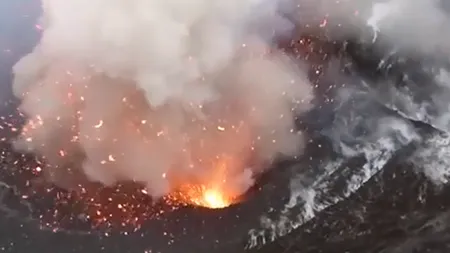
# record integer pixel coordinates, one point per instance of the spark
(100, 124)
(111, 158)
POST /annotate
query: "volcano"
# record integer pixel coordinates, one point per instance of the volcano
(362, 184)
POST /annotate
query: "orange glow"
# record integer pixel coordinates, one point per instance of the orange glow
(213, 193)
(214, 199)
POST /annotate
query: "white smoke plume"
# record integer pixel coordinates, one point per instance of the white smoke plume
(418, 26)
(160, 92)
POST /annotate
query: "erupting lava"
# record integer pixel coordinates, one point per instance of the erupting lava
(213, 193)
(214, 199)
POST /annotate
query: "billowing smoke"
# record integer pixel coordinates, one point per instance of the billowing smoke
(418, 26)
(163, 93)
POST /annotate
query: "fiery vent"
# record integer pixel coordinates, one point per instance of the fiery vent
(209, 197)
(214, 199)
(215, 192)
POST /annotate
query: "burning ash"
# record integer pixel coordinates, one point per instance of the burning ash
(186, 99)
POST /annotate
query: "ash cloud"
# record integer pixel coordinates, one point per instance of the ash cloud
(161, 93)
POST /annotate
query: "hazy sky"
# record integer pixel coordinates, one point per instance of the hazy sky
(18, 35)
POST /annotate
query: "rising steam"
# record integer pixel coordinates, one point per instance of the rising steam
(162, 93)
